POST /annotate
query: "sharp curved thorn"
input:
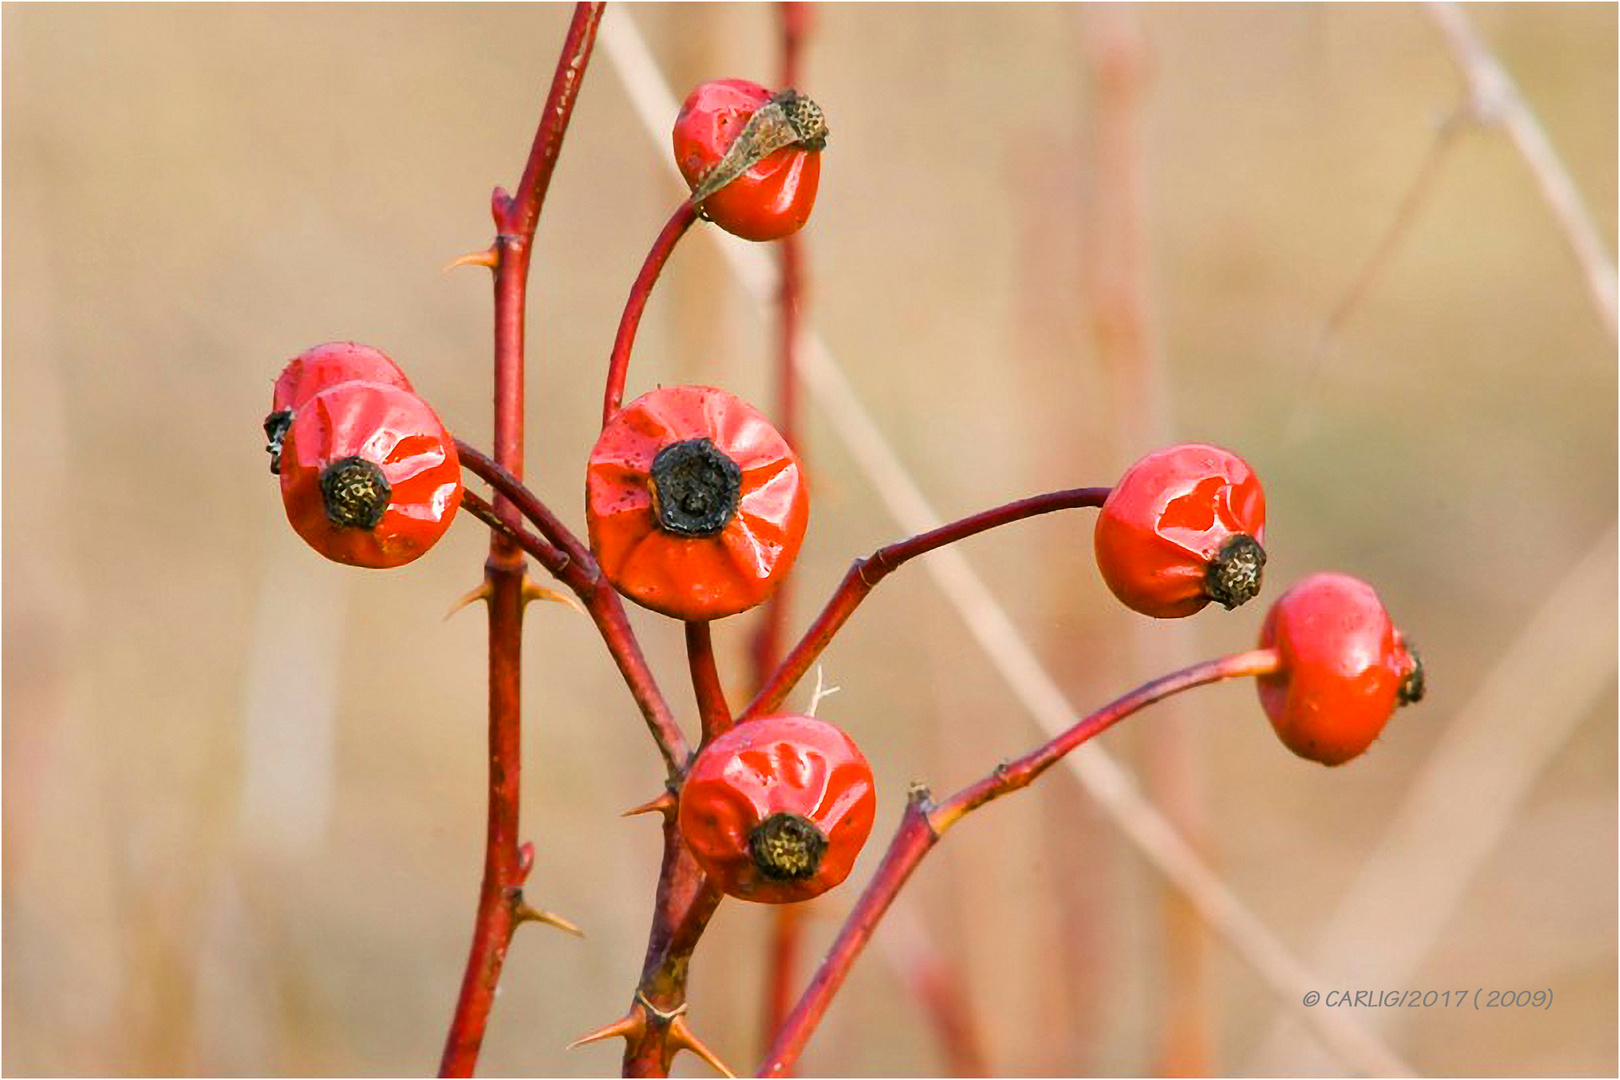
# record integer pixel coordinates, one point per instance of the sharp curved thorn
(681, 1035)
(532, 591)
(663, 804)
(474, 595)
(632, 1025)
(489, 258)
(525, 913)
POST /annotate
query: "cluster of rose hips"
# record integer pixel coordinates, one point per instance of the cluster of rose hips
(696, 509)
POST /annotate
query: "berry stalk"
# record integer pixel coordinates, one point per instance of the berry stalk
(865, 573)
(640, 292)
(571, 563)
(711, 698)
(924, 822)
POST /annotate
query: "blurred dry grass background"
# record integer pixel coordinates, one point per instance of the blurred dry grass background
(243, 787)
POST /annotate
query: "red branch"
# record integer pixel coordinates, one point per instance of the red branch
(787, 921)
(568, 560)
(867, 572)
(511, 489)
(506, 866)
(640, 291)
(925, 822)
(711, 698)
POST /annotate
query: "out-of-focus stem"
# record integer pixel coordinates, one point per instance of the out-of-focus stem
(867, 572)
(925, 822)
(640, 291)
(787, 920)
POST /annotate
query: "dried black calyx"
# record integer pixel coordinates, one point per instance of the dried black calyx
(275, 430)
(1233, 575)
(1415, 684)
(805, 117)
(695, 488)
(787, 847)
(356, 493)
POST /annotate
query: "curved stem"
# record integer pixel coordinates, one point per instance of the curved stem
(711, 697)
(556, 562)
(867, 572)
(513, 490)
(925, 822)
(607, 612)
(640, 292)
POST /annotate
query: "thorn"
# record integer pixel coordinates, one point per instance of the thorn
(480, 593)
(524, 913)
(664, 804)
(630, 1026)
(490, 257)
(531, 592)
(681, 1035)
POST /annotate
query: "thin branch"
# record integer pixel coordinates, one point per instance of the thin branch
(506, 865)
(867, 572)
(574, 566)
(548, 136)
(553, 560)
(711, 697)
(1495, 99)
(1456, 808)
(787, 920)
(640, 292)
(527, 503)
(925, 822)
(1032, 686)
(1445, 139)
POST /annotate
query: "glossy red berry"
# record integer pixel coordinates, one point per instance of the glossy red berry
(1342, 668)
(696, 506)
(776, 809)
(369, 476)
(763, 197)
(322, 368)
(1183, 526)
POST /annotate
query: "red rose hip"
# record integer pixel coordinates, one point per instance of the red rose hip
(1183, 526)
(696, 506)
(369, 476)
(752, 158)
(1342, 668)
(322, 368)
(777, 809)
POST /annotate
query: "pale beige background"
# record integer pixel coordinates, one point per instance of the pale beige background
(243, 786)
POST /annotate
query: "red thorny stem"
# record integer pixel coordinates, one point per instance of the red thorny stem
(506, 866)
(866, 573)
(787, 920)
(640, 291)
(924, 822)
(562, 554)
